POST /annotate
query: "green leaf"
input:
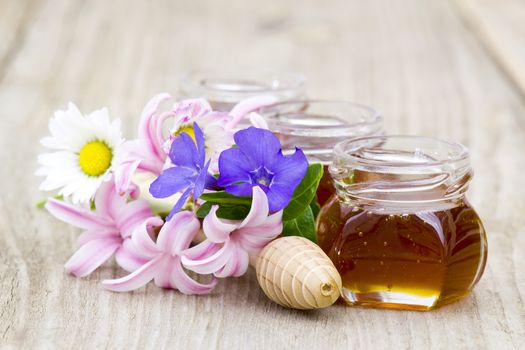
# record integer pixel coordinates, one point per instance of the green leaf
(204, 210)
(303, 225)
(222, 197)
(316, 208)
(304, 193)
(233, 212)
(225, 211)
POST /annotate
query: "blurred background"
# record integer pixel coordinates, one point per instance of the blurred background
(451, 69)
(416, 61)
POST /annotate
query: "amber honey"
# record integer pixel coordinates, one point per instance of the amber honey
(326, 187)
(415, 260)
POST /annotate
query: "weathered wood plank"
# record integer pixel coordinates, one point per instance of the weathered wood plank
(501, 28)
(414, 60)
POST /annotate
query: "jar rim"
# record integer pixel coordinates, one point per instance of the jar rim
(394, 170)
(236, 85)
(352, 151)
(335, 118)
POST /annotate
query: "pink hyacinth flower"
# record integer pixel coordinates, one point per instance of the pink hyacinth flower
(107, 229)
(164, 257)
(226, 250)
(149, 152)
(189, 111)
(146, 153)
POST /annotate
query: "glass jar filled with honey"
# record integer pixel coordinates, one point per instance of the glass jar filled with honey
(316, 126)
(400, 230)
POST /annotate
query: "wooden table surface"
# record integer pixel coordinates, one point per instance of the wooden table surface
(453, 69)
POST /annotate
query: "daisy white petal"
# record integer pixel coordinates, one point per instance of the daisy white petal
(83, 152)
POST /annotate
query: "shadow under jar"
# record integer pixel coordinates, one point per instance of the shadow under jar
(316, 126)
(223, 88)
(400, 230)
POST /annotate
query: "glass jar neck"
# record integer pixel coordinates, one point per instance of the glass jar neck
(316, 126)
(398, 172)
(224, 88)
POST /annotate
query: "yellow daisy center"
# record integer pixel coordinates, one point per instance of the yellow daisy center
(188, 129)
(95, 158)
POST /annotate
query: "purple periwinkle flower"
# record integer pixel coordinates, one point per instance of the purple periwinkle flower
(258, 161)
(189, 174)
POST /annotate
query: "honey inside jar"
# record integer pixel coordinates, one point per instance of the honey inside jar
(422, 260)
(326, 188)
(400, 230)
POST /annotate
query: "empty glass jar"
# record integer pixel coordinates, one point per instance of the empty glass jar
(317, 126)
(223, 88)
(400, 230)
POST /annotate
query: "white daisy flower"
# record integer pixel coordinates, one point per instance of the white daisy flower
(83, 153)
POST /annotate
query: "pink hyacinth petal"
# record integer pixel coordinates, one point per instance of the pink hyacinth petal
(150, 165)
(76, 216)
(215, 229)
(160, 129)
(177, 233)
(146, 153)
(236, 265)
(107, 199)
(128, 257)
(255, 238)
(254, 244)
(259, 210)
(134, 191)
(136, 279)
(103, 199)
(248, 105)
(189, 110)
(201, 250)
(142, 240)
(187, 285)
(124, 173)
(148, 125)
(243, 260)
(275, 218)
(95, 234)
(266, 230)
(90, 256)
(258, 121)
(131, 214)
(163, 276)
(186, 234)
(263, 233)
(210, 263)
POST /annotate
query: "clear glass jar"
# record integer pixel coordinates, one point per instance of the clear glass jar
(400, 230)
(223, 88)
(317, 126)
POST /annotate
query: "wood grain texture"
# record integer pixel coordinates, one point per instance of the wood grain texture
(418, 61)
(501, 28)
